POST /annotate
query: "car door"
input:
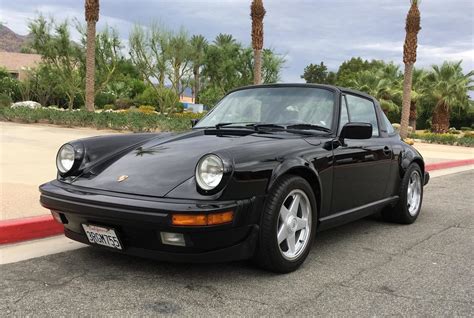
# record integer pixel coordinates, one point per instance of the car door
(361, 167)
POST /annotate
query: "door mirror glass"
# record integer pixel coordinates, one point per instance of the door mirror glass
(356, 131)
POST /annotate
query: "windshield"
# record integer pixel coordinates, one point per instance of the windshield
(275, 105)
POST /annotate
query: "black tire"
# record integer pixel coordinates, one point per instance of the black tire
(268, 254)
(400, 212)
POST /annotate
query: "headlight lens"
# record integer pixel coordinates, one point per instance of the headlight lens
(209, 172)
(65, 158)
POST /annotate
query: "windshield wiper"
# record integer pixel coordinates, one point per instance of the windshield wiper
(238, 125)
(262, 127)
(259, 126)
(309, 127)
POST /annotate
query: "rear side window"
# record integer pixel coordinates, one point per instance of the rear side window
(363, 111)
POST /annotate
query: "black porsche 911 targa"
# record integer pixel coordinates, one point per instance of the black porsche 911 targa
(256, 178)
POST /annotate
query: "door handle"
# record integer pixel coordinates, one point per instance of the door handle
(387, 151)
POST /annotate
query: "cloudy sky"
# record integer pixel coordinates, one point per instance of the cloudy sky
(304, 31)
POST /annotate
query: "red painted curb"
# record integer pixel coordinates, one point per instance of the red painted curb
(12, 231)
(448, 164)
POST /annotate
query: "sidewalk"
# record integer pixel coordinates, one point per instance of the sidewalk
(27, 159)
(434, 153)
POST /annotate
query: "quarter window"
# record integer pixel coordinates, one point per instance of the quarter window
(344, 114)
(388, 125)
(362, 110)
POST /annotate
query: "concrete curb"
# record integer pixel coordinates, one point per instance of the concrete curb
(18, 230)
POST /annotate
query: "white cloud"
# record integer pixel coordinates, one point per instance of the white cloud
(305, 31)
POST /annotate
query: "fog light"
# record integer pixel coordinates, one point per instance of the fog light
(176, 239)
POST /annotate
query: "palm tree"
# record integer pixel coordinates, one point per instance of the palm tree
(92, 16)
(417, 93)
(381, 85)
(198, 44)
(223, 39)
(409, 58)
(449, 86)
(257, 12)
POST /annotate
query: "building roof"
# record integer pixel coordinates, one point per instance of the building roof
(18, 61)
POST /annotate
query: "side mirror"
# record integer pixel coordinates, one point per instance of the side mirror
(356, 131)
(194, 122)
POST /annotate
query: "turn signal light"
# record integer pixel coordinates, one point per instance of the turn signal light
(202, 219)
(220, 218)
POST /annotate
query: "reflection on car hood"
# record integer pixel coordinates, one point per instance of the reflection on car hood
(161, 164)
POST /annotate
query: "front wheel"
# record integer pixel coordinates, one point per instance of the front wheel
(287, 226)
(410, 198)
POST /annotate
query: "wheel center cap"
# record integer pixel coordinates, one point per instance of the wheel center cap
(291, 224)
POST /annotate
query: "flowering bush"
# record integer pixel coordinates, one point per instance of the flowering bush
(119, 120)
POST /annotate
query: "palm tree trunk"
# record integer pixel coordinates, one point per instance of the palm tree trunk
(90, 66)
(406, 99)
(440, 121)
(412, 120)
(257, 72)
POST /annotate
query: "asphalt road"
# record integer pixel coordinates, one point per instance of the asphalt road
(367, 268)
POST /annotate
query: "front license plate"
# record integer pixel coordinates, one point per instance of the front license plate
(102, 236)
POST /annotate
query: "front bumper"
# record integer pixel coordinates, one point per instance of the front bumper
(426, 179)
(138, 221)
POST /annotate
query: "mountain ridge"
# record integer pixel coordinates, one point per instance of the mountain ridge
(11, 41)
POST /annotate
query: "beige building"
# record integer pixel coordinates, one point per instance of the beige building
(18, 64)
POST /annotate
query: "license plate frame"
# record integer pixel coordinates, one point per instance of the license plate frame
(102, 236)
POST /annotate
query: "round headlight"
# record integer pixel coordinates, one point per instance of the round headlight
(209, 172)
(65, 158)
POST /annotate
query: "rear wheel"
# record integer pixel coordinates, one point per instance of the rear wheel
(410, 198)
(287, 226)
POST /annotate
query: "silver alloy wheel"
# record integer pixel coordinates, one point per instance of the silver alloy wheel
(414, 193)
(294, 224)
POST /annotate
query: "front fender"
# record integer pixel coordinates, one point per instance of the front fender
(304, 169)
(408, 156)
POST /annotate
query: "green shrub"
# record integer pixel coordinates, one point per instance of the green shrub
(466, 141)
(125, 120)
(165, 100)
(210, 96)
(148, 97)
(9, 86)
(5, 100)
(469, 134)
(447, 139)
(146, 109)
(179, 107)
(103, 99)
(188, 115)
(123, 103)
(466, 128)
(109, 107)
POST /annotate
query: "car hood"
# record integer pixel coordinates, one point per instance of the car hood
(161, 164)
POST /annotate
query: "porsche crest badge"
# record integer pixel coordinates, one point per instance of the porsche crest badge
(122, 178)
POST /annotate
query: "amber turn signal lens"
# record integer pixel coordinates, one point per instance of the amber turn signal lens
(189, 219)
(220, 218)
(202, 219)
